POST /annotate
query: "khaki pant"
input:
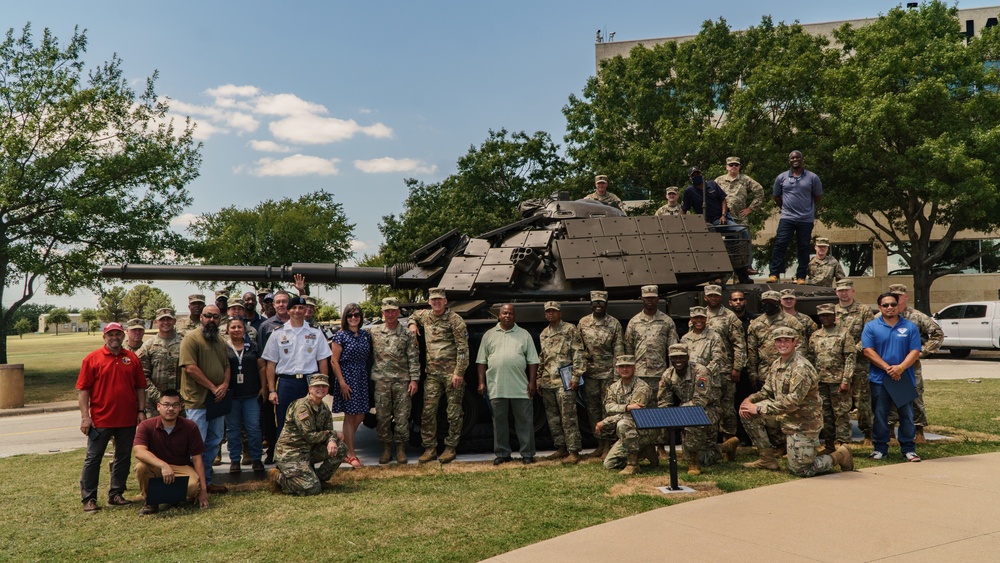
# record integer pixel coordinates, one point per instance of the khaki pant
(144, 472)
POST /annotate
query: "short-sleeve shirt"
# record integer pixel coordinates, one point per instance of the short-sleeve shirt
(708, 200)
(112, 382)
(798, 195)
(892, 344)
(176, 447)
(296, 350)
(506, 354)
(210, 357)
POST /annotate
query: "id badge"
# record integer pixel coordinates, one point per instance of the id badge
(239, 378)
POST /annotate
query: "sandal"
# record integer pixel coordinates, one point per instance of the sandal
(354, 461)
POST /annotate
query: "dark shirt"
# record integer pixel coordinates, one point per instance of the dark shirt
(256, 321)
(710, 198)
(266, 328)
(251, 375)
(175, 448)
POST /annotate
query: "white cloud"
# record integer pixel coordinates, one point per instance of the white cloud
(388, 164)
(364, 111)
(314, 130)
(296, 165)
(203, 130)
(233, 91)
(224, 121)
(183, 220)
(287, 104)
(268, 146)
(358, 245)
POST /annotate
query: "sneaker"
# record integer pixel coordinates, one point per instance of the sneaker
(877, 455)
(91, 506)
(911, 456)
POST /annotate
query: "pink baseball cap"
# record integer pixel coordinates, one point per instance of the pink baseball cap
(113, 326)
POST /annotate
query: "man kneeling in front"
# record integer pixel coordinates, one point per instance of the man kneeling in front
(169, 446)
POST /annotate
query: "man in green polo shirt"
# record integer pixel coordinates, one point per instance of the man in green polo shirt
(504, 353)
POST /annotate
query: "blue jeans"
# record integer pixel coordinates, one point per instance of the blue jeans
(731, 227)
(245, 413)
(97, 444)
(881, 404)
(289, 390)
(803, 233)
(211, 434)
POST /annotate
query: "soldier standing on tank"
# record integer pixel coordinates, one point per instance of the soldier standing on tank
(560, 346)
(603, 341)
(832, 353)
(824, 269)
(726, 324)
(158, 357)
(852, 317)
(788, 301)
(744, 195)
(624, 395)
(447, 342)
(672, 207)
(396, 374)
(602, 194)
(932, 337)
(790, 398)
(196, 303)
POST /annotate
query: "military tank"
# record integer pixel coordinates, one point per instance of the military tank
(560, 250)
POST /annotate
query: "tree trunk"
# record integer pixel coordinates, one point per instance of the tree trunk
(921, 291)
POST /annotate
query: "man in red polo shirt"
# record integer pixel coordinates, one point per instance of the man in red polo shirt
(112, 395)
(169, 446)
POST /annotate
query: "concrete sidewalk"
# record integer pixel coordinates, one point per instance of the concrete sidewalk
(39, 408)
(936, 510)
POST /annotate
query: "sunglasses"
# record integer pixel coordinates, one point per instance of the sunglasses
(888, 305)
(354, 315)
(733, 164)
(210, 316)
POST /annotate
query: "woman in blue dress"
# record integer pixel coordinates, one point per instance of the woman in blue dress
(351, 348)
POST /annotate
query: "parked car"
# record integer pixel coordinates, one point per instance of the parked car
(970, 326)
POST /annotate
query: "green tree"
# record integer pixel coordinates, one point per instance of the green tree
(91, 172)
(58, 317)
(142, 301)
(88, 316)
(913, 133)
(29, 311)
(312, 228)
(111, 305)
(22, 326)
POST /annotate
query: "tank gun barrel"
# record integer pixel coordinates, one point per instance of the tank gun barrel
(314, 273)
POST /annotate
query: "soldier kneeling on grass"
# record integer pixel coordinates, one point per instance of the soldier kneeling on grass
(624, 395)
(307, 438)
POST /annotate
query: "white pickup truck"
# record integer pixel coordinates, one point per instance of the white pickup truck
(970, 326)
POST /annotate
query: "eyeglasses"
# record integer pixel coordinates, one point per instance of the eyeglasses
(888, 305)
(170, 405)
(733, 164)
(353, 315)
(210, 316)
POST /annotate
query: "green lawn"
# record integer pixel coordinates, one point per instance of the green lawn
(51, 363)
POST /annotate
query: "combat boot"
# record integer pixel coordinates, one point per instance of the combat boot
(448, 455)
(428, 455)
(558, 454)
(272, 480)
(598, 452)
(843, 458)
(781, 451)
(892, 435)
(607, 448)
(400, 453)
(694, 464)
(572, 458)
(919, 437)
(386, 456)
(651, 455)
(867, 442)
(766, 461)
(632, 466)
(729, 448)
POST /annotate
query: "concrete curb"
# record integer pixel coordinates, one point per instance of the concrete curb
(41, 408)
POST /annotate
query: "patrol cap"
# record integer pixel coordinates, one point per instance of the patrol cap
(310, 300)
(295, 301)
(390, 304)
(136, 323)
(222, 293)
(625, 360)
(165, 313)
(113, 326)
(712, 289)
(826, 309)
(269, 297)
(698, 312)
(436, 293)
(770, 295)
(552, 305)
(600, 178)
(319, 379)
(196, 298)
(677, 350)
(733, 160)
(822, 241)
(845, 283)
(897, 288)
(787, 293)
(599, 296)
(650, 291)
(673, 190)
(693, 169)
(783, 332)
(236, 301)
(263, 291)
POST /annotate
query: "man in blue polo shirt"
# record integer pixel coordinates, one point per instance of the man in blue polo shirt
(892, 345)
(796, 191)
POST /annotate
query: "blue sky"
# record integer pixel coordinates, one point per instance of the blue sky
(354, 97)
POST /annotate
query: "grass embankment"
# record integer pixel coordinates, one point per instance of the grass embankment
(51, 363)
(461, 512)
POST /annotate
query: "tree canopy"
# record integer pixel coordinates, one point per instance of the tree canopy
(142, 301)
(111, 305)
(58, 317)
(91, 172)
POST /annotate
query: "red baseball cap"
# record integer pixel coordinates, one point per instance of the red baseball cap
(113, 326)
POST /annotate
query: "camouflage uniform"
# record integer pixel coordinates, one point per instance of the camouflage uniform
(647, 338)
(447, 342)
(303, 442)
(825, 272)
(158, 357)
(790, 398)
(932, 337)
(853, 320)
(707, 349)
(696, 388)
(741, 192)
(130, 348)
(397, 363)
(185, 325)
(668, 210)
(761, 352)
(726, 324)
(603, 340)
(618, 425)
(561, 346)
(807, 323)
(833, 354)
(608, 198)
